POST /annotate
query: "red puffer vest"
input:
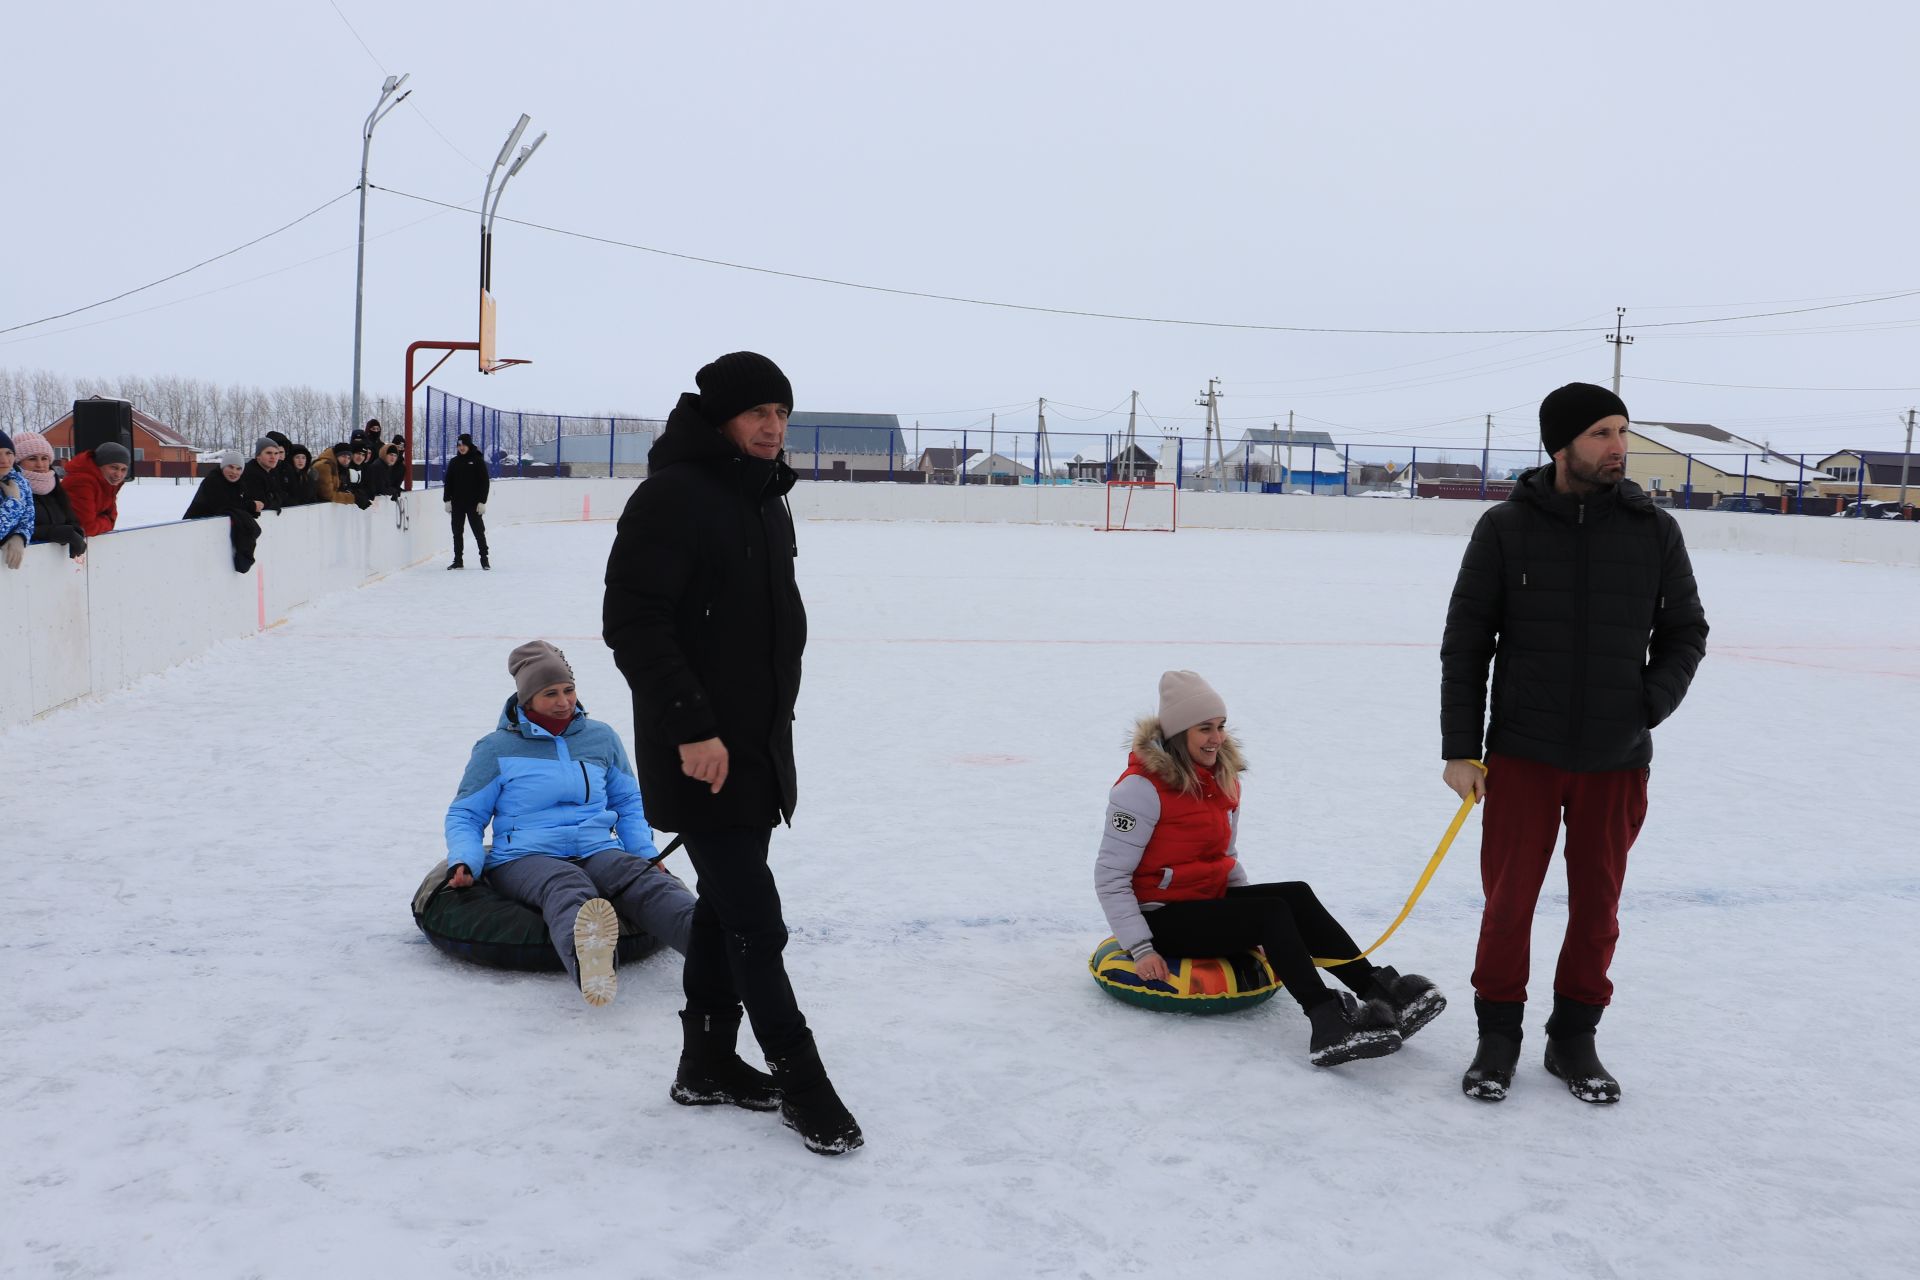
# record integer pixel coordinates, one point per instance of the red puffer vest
(1186, 857)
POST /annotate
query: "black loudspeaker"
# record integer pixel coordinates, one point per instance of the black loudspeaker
(97, 420)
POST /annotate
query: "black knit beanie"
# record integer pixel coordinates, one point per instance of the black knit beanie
(1567, 412)
(737, 382)
(465, 438)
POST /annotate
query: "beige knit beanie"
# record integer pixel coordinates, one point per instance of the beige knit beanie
(535, 665)
(1186, 700)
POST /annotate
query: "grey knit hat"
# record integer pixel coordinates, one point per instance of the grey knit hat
(263, 444)
(535, 665)
(112, 453)
(1186, 700)
(231, 458)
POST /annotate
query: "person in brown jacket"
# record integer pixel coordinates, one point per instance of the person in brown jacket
(329, 479)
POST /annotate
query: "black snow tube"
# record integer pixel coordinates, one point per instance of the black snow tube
(485, 926)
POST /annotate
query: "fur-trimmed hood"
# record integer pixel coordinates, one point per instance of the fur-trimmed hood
(1153, 756)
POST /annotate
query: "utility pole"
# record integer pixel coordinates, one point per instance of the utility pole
(1212, 405)
(1043, 448)
(1486, 452)
(1619, 342)
(1128, 469)
(1906, 462)
(1289, 481)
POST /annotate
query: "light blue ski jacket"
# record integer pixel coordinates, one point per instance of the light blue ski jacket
(567, 797)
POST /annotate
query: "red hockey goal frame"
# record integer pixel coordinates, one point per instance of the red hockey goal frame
(1123, 507)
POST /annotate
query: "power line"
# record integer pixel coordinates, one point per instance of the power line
(1105, 315)
(424, 118)
(1741, 386)
(207, 293)
(61, 315)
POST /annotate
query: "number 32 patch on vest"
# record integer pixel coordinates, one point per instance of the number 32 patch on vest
(1124, 822)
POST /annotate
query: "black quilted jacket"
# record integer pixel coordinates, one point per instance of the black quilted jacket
(1588, 612)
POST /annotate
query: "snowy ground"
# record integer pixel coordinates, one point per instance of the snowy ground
(226, 1051)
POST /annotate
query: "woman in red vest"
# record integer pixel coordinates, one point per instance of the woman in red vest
(1170, 882)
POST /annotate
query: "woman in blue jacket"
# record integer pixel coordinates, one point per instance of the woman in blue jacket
(570, 839)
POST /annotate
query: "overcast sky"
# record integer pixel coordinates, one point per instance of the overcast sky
(1387, 166)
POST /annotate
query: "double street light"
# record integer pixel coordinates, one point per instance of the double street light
(380, 111)
(490, 206)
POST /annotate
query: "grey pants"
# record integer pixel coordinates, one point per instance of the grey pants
(558, 887)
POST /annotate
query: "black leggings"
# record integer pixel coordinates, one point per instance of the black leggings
(1287, 919)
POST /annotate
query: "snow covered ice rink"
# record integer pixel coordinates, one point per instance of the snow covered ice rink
(226, 1051)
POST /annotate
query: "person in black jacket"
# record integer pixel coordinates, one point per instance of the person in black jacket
(704, 618)
(223, 493)
(376, 479)
(466, 487)
(1579, 592)
(257, 478)
(299, 477)
(53, 518)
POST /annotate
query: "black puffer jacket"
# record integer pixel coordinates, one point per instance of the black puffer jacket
(219, 496)
(54, 521)
(1588, 611)
(705, 621)
(467, 481)
(261, 486)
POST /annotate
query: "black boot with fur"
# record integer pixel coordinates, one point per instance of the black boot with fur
(1345, 1028)
(711, 1073)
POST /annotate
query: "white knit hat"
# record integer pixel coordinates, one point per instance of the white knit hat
(1186, 700)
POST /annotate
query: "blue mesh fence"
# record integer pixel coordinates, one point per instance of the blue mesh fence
(532, 445)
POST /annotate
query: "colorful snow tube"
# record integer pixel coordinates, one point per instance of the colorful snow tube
(1213, 985)
(485, 926)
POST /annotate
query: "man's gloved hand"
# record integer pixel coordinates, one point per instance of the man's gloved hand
(76, 544)
(447, 507)
(480, 508)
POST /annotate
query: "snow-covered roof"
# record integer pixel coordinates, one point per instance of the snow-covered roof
(1720, 450)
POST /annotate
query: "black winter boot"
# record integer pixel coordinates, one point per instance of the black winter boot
(1415, 1001)
(1571, 1055)
(457, 563)
(483, 561)
(711, 1074)
(1491, 1074)
(1345, 1028)
(810, 1107)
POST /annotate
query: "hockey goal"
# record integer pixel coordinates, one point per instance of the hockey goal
(1142, 506)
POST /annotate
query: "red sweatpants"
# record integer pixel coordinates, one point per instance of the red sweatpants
(1526, 802)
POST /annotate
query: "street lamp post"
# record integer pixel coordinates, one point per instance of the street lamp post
(490, 197)
(374, 117)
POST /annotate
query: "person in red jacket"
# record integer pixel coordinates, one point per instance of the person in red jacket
(1170, 883)
(93, 483)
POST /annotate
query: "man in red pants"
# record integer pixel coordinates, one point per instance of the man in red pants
(1578, 591)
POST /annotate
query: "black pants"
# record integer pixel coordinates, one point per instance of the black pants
(1287, 919)
(472, 517)
(734, 950)
(244, 532)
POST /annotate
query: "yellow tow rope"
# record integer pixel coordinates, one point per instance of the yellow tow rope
(1433, 865)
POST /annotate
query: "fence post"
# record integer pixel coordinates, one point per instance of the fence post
(1346, 471)
(1179, 464)
(1689, 482)
(1800, 489)
(1313, 476)
(1413, 473)
(816, 453)
(429, 439)
(960, 468)
(889, 456)
(520, 444)
(612, 429)
(1745, 459)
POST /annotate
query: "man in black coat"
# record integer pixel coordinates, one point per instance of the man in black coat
(1579, 592)
(466, 484)
(258, 480)
(704, 618)
(223, 493)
